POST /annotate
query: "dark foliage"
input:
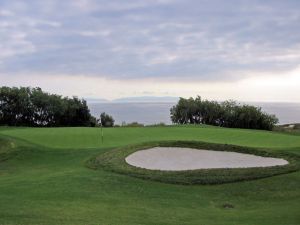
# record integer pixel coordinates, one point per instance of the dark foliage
(133, 124)
(225, 114)
(106, 120)
(27, 106)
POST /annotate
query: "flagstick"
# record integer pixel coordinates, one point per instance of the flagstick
(101, 134)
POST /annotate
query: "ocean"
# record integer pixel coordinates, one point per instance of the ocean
(153, 113)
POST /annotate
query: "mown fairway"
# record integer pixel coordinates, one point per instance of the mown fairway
(45, 181)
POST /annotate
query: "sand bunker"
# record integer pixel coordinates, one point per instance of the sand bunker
(175, 159)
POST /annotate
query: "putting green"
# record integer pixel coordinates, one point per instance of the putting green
(44, 180)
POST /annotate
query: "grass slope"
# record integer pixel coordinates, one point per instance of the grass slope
(47, 182)
(114, 160)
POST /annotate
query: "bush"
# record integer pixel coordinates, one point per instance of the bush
(161, 124)
(27, 106)
(133, 124)
(106, 120)
(225, 114)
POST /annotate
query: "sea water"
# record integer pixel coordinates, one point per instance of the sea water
(153, 113)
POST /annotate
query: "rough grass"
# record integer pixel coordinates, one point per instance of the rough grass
(47, 182)
(286, 128)
(114, 161)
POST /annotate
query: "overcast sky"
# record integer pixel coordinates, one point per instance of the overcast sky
(239, 49)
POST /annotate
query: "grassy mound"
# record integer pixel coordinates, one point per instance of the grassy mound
(115, 161)
(7, 148)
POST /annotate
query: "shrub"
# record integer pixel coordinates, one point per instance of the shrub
(133, 124)
(161, 124)
(27, 106)
(106, 120)
(225, 114)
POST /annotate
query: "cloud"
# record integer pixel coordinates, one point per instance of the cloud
(5, 13)
(262, 87)
(14, 45)
(88, 33)
(139, 39)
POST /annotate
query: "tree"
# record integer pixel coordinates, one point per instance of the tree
(184, 112)
(106, 120)
(27, 106)
(225, 114)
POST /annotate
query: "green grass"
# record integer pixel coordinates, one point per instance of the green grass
(114, 161)
(114, 137)
(47, 182)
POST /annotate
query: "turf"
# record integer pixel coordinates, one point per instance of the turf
(113, 137)
(46, 181)
(114, 161)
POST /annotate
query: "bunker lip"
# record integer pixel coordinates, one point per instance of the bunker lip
(119, 160)
(180, 159)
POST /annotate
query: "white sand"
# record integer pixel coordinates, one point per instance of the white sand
(175, 159)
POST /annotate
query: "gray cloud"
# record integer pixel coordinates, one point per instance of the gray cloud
(205, 40)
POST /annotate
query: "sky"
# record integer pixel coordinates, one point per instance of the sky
(246, 50)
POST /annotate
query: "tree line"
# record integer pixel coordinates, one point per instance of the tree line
(27, 106)
(224, 114)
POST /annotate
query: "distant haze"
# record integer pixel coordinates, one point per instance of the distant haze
(156, 112)
(140, 99)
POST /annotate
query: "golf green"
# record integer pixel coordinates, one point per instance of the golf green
(44, 180)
